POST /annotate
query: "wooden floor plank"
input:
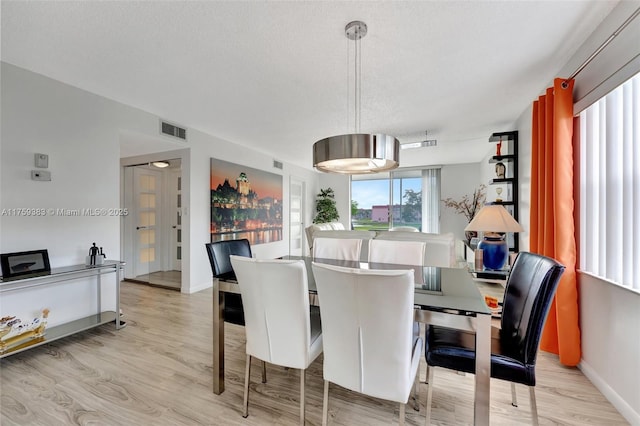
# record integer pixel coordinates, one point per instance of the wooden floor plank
(157, 370)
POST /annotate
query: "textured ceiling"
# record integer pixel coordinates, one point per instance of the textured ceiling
(273, 75)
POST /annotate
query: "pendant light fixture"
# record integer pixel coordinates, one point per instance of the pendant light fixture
(356, 153)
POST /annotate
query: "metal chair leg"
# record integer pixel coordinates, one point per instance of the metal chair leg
(264, 372)
(416, 392)
(514, 400)
(430, 371)
(401, 420)
(534, 407)
(302, 396)
(325, 404)
(247, 373)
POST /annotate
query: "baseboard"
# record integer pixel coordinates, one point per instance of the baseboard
(200, 287)
(632, 416)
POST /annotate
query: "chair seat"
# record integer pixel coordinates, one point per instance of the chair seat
(455, 349)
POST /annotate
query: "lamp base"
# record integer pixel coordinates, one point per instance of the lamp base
(494, 251)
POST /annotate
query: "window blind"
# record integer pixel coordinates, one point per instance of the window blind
(610, 186)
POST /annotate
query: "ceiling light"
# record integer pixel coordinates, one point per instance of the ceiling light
(422, 144)
(356, 153)
(160, 164)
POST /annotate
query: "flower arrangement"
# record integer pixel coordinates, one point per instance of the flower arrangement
(469, 205)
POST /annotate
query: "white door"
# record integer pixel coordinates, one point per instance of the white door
(175, 220)
(296, 215)
(147, 219)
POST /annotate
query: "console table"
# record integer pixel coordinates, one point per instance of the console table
(64, 274)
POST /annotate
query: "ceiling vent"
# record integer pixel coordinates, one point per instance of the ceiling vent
(173, 130)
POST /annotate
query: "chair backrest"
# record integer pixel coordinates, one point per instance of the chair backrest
(403, 229)
(275, 295)
(440, 249)
(530, 289)
(337, 248)
(397, 252)
(327, 226)
(367, 329)
(219, 253)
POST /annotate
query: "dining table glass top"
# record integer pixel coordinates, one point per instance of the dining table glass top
(436, 288)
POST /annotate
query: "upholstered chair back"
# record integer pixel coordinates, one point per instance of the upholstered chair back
(530, 289)
(337, 248)
(396, 252)
(275, 294)
(367, 329)
(219, 253)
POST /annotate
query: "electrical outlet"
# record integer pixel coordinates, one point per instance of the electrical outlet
(41, 175)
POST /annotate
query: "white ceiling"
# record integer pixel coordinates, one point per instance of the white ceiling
(273, 75)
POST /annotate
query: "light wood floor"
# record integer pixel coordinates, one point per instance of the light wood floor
(168, 279)
(157, 371)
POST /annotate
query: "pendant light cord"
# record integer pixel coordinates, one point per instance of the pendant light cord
(358, 83)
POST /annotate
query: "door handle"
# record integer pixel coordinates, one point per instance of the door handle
(141, 227)
(174, 226)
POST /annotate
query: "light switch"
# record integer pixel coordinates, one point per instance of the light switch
(42, 161)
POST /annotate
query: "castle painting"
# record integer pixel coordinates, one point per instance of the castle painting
(245, 203)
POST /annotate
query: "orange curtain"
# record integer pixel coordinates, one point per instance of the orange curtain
(552, 221)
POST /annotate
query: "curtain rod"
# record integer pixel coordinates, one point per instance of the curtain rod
(565, 83)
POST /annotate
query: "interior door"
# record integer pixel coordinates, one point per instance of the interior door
(296, 215)
(175, 220)
(147, 219)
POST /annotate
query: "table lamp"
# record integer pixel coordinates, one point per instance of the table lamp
(490, 220)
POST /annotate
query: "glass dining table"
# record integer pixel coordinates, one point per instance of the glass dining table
(443, 296)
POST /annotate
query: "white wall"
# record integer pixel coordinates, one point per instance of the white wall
(203, 147)
(610, 322)
(76, 129)
(609, 315)
(81, 133)
(457, 180)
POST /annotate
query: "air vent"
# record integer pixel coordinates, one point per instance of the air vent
(173, 130)
(277, 164)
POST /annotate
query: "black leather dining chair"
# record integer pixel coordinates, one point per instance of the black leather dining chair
(219, 253)
(530, 289)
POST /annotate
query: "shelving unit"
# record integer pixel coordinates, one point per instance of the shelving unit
(66, 274)
(508, 157)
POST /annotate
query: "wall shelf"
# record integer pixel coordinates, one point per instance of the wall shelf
(509, 157)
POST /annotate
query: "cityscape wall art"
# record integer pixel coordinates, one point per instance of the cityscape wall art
(245, 203)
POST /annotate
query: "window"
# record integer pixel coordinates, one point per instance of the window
(610, 186)
(401, 198)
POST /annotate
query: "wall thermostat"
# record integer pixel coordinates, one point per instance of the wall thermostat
(42, 161)
(41, 175)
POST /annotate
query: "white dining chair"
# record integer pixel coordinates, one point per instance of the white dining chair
(403, 229)
(397, 252)
(281, 327)
(337, 248)
(369, 339)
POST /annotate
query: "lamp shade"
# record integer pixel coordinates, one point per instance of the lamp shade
(492, 219)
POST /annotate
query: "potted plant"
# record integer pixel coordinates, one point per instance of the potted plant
(468, 206)
(326, 210)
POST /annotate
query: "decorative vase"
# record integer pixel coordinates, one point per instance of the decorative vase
(494, 251)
